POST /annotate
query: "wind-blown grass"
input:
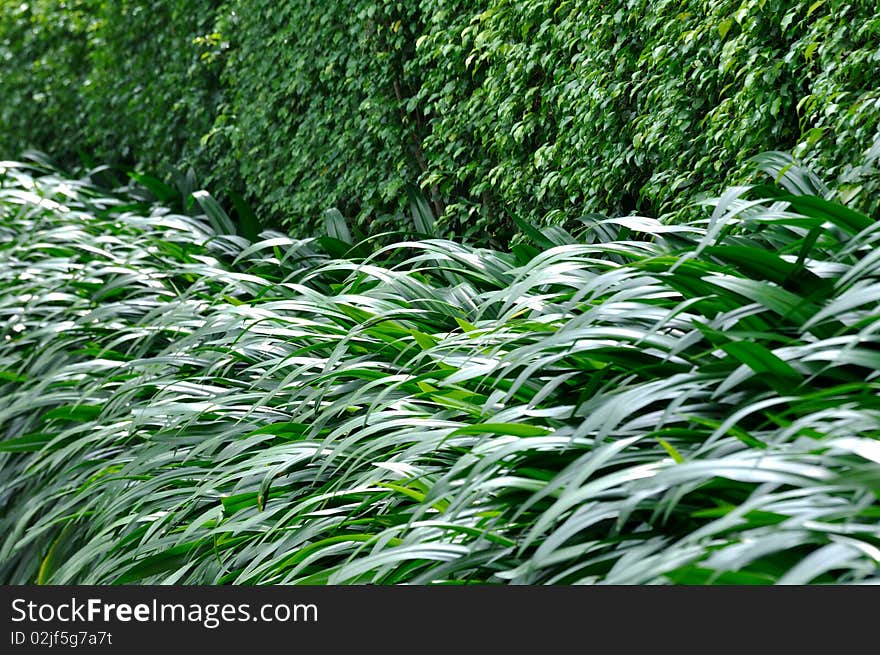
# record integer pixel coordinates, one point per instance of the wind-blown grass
(646, 403)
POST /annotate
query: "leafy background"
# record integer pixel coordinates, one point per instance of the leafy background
(531, 110)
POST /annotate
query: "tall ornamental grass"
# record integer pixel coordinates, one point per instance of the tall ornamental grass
(637, 403)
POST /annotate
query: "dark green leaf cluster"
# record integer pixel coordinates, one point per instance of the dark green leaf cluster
(549, 110)
(133, 82)
(316, 114)
(538, 110)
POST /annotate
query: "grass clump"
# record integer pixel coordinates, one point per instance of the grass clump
(645, 403)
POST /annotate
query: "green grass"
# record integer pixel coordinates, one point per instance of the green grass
(644, 403)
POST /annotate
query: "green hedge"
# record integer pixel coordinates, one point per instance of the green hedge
(559, 109)
(43, 52)
(131, 82)
(153, 85)
(315, 113)
(507, 109)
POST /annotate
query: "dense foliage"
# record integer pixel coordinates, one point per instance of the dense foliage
(315, 113)
(128, 81)
(646, 403)
(43, 63)
(574, 107)
(507, 109)
(663, 378)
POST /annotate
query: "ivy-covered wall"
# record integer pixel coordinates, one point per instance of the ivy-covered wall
(130, 82)
(317, 108)
(533, 109)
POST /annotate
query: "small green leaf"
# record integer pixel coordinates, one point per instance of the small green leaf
(673, 453)
(426, 341)
(336, 227)
(762, 361)
(512, 429)
(217, 217)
